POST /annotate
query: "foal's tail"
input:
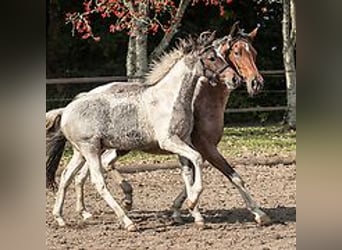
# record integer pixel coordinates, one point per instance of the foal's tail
(55, 143)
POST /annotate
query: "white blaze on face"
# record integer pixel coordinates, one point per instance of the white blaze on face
(247, 47)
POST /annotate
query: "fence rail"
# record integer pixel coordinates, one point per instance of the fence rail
(105, 79)
(256, 109)
(101, 79)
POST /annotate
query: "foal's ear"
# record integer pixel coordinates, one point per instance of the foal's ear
(253, 33)
(234, 29)
(206, 38)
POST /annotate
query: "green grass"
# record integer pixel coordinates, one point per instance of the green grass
(269, 140)
(236, 142)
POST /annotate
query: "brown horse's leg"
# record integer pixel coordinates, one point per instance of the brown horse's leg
(177, 204)
(212, 155)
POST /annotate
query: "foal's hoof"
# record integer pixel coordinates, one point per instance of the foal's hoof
(131, 228)
(60, 221)
(200, 224)
(263, 219)
(190, 204)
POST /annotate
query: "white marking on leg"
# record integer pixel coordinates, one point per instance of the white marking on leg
(259, 216)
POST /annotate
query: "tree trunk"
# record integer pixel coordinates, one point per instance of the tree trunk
(289, 33)
(136, 60)
(131, 58)
(141, 54)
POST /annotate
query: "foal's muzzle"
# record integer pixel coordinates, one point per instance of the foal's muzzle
(233, 83)
(236, 81)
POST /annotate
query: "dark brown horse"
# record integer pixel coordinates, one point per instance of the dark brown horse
(209, 114)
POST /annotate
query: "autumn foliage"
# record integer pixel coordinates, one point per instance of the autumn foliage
(130, 15)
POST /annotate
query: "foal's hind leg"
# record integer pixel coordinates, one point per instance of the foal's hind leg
(79, 190)
(217, 160)
(96, 176)
(70, 170)
(108, 158)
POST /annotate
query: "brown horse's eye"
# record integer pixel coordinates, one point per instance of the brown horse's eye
(236, 53)
(212, 58)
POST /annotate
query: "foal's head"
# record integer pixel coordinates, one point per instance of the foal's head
(215, 67)
(238, 50)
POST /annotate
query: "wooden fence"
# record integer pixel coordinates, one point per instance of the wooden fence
(105, 79)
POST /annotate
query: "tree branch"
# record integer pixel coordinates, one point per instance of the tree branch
(173, 30)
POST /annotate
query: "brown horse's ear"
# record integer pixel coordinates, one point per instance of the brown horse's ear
(253, 33)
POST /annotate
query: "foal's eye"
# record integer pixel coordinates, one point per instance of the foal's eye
(211, 58)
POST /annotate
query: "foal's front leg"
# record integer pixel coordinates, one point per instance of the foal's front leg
(175, 145)
(188, 175)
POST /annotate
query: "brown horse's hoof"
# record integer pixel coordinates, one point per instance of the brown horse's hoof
(131, 228)
(177, 220)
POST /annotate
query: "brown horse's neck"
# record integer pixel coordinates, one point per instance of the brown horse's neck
(209, 107)
(213, 98)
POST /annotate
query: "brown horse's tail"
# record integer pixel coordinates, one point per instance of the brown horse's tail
(55, 143)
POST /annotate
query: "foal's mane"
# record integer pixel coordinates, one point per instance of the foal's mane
(161, 66)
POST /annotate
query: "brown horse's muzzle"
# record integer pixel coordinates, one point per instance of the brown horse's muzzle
(255, 85)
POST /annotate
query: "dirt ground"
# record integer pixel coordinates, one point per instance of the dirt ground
(229, 224)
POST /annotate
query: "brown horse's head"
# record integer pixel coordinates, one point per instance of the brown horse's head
(238, 50)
